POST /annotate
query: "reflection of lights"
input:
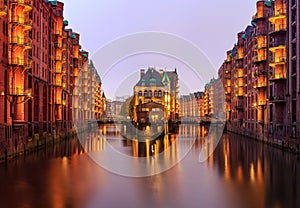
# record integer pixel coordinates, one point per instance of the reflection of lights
(252, 173)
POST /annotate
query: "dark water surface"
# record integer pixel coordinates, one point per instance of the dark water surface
(241, 173)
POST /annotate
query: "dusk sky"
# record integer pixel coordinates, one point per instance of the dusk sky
(210, 25)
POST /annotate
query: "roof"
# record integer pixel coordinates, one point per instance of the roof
(151, 76)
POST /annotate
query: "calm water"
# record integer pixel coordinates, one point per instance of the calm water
(241, 173)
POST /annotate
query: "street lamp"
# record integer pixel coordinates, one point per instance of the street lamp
(16, 96)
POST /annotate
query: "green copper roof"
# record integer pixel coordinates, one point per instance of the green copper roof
(244, 36)
(165, 78)
(66, 22)
(152, 80)
(253, 23)
(84, 55)
(53, 2)
(268, 3)
(73, 36)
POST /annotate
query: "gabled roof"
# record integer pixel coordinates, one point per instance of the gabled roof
(151, 76)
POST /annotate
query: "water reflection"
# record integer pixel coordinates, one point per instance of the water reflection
(240, 173)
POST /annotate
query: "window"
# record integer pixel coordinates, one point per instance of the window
(140, 93)
(145, 93)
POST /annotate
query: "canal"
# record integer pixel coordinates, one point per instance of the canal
(240, 173)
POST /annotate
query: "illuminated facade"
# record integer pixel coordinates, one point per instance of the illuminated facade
(264, 94)
(40, 64)
(156, 90)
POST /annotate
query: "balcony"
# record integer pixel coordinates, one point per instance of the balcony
(261, 84)
(58, 58)
(27, 24)
(277, 45)
(260, 46)
(261, 103)
(3, 9)
(277, 99)
(275, 29)
(28, 64)
(57, 44)
(240, 73)
(17, 40)
(279, 14)
(258, 59)
(278, 76)
(28, 44)
(277, 61)
(17, 62)
(27, 4)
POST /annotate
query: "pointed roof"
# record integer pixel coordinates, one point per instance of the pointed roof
(103, 95)
(165, 78)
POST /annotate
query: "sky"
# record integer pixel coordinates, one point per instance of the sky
(211, 26)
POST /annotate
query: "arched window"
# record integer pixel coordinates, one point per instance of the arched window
(159, 93)
(145, 93)
(140, 93)
(36, 101)
(155, 93)
(150, 93)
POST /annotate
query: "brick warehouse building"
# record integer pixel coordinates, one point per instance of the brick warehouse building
(263, 88)
(41, 61)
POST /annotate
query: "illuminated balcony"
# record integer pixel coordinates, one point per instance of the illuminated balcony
(27, 4)
(27, 44)
(27, 25)
(240, 73)
(277, 28)
(17, 41)
(260, 46)
(59, 70)
(279, 14)
(261, 84)
(28, 64)
(3, 9)
(262, 103)
(278, 76)
(258, 59)
(277, 61)
(17, 62)
(58, 58)
(58, 44)
(277, 46)
(57, 83)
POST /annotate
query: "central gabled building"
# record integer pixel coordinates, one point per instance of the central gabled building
(155, 91)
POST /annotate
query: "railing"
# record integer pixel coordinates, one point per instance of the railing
(259, 58)
(3, 8)
(25, 2)
(277, 28)
(17, 40)
(58, 58)
(261, 84)
(280, 12)
(278, 76)
(277, 60)
(17, 61)
(260, 46)
(261, 103)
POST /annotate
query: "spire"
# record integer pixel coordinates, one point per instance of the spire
(103, 95)
(165, 78)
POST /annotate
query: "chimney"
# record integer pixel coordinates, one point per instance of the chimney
(142, 73)
(161, 72)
